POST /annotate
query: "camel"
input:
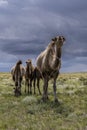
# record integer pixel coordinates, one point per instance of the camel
(37, 77)
(31, 75)
(49, 64)
(17, 73)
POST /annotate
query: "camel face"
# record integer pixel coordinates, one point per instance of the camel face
(29, 65)
(29, 62)
(19, 62)
(59, 40)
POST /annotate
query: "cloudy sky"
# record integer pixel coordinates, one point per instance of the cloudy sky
(27, 26)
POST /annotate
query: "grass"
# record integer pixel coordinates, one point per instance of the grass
(28, 112)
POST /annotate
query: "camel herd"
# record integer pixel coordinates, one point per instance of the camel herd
(48, 64)
(31, 75)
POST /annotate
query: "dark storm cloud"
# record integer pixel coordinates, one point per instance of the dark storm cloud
(26, 28)
(21, 47)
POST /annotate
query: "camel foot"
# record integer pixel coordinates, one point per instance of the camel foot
(40, 93)
(20, 93)
(56, 101)
(44, 99)
(30, 92)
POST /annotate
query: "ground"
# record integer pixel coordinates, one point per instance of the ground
(28, 112)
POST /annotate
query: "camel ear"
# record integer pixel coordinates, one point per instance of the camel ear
(54, 39)
(19, 62)
(64, 38)
(26, 62)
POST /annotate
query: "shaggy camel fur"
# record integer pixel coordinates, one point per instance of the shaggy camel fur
(49, 63)
(17, 73)
(31, 75)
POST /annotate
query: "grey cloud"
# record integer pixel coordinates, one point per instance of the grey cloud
(22, 47)
(26, 27)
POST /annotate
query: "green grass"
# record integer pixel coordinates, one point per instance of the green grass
(28, 112)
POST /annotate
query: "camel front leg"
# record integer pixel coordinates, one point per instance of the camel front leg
(54, 89)
(38, 85)
(25, 85)
(30, 86)
(19, 87)
(34, 84)
(45, 90)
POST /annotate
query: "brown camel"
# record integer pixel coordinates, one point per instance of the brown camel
(49, 63)
(17, 73)
(37, 77)
(31, 75)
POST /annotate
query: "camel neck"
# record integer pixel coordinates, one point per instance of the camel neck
(17, 69)
(58, 52)
(56, 59)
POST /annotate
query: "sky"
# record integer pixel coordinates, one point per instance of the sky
(27, 27)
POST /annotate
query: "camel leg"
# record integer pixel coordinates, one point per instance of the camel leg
(38, 81)
(25, 85)
(19, 87)
(43, 97)
(16, 88)
(54, 89)
(30, 86)
(45, 89)
(19, 90)
(34, 85)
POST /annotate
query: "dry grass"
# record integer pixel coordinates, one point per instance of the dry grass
(30, 113)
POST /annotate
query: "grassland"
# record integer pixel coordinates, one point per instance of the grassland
(30, 113)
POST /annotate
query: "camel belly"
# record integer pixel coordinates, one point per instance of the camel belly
(50, 74)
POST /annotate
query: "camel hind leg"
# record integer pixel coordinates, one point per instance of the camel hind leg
(30, 86)
(45, 89)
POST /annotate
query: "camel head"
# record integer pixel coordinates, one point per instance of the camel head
(29, 65)
(29, 62)
(59, 40)
(19, 62)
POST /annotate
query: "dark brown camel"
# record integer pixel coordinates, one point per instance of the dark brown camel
(17, 73)
(31, 75)
(49, 63)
